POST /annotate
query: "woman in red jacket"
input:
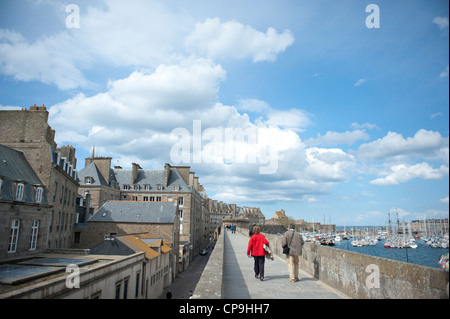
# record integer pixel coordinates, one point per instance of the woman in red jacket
(256, 249)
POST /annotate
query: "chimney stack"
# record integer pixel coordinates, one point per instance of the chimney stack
(134, 172)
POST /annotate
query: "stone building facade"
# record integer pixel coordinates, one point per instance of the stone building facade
(172, 184)
(24, 212)
(28, 132)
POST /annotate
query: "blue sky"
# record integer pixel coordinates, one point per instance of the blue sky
(350, 122)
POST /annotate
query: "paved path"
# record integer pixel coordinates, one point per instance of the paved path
(240, 282)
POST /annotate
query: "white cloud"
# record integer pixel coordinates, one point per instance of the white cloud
(424, 143)
(51, 60)
(254, 106)
(436, 115)
(219, 39)
(444, 200)
(441, 22)
(360, 82)
(294, 119)
(368, 126)
(404, 173)
(9, 107)
(328, 164)
(444, 73)
(336, 138)
(142, 103)
(110, 33)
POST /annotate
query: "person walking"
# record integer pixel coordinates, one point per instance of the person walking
(256, 249)
(294, 242)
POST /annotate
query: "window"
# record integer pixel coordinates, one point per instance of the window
(126, 187)
(180, 201)
(34, 234)
(181, 214)
(158, 198)
(152, 198)
(14, 236)
(125, 288)
(19, 191)
(159, 187)
(118, 290)
(145, 199)
(137, 284)
(147, 187)
(39, 192)
(88, 180)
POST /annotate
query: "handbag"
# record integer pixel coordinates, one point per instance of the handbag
(286, 247)
(268, 252)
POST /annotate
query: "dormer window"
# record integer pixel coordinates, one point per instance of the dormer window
(136, 187)
(159, 187)
(88, 180)
(126, 187)
(20, 190)
(176, 187)
(39, 192)
(147, 187)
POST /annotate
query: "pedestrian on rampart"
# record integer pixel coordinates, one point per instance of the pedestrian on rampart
(256, 249)
(294, 242)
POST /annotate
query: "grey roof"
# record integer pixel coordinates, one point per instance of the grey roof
(92, 171)
(152, 177)
(136, 212)
(14, 167)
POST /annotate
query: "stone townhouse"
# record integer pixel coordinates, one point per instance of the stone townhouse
(171, 184)
(24, 212)
(120, 218)
(28, 132)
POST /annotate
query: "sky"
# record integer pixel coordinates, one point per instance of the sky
(334, 111)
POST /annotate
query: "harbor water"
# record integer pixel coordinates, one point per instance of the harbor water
(422, 255)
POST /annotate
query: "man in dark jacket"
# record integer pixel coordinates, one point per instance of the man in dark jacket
(295, 242)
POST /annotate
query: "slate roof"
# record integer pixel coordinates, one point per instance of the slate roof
(92, 171)
(14, 167)
(152, 177)
(136, 212)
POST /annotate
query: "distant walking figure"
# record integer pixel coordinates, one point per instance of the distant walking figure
(256, 249)
(294, 241)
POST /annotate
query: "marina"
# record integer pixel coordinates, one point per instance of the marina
(425, 251)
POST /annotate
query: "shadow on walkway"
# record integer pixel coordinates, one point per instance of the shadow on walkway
(234, 286)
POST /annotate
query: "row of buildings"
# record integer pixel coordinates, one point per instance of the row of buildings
(154, 221)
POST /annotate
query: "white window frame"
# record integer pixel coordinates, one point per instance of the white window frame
(39, 192)
(20, 190)
(14, 235)
(34, 234)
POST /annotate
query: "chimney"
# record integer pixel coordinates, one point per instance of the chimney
(134, 172)
(191, 179)
(196, 183)
(167, 168)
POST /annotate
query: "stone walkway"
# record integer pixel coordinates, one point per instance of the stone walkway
(240, 283)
